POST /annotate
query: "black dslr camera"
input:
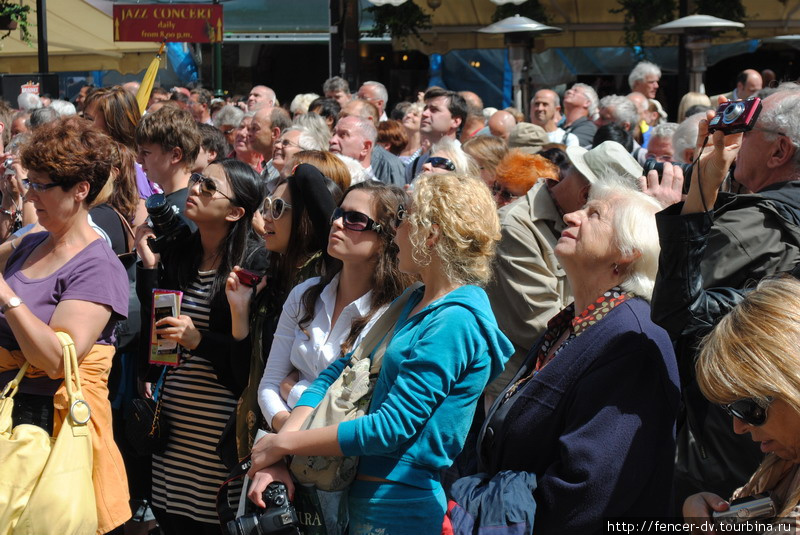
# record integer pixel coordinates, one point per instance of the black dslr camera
(279, 516)
(736, 116)
(168, 225)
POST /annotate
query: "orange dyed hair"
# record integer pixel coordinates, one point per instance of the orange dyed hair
(520, 171)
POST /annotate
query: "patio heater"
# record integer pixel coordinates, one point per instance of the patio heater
(519, 32)
(699, 29)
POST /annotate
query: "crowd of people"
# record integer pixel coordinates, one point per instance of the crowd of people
(592, 295)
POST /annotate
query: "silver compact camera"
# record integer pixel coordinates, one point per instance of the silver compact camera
(757, 507)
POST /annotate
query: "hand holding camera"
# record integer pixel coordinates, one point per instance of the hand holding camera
(725, 127)
(276, 515)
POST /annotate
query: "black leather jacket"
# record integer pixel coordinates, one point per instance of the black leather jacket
(687, 305)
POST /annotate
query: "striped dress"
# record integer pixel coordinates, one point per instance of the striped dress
(187, 475)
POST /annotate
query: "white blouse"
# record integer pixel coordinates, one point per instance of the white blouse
(309, 354)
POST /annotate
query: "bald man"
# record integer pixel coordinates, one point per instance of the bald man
(260, 97)
(545, 107)
(501, 123)
(748, 83)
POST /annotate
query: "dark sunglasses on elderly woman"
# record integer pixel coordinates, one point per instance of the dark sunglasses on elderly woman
(355, 220)
(751, 411)
(442, 163)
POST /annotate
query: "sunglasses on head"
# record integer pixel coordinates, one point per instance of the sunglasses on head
(751, 411)
(401, 216)
(355, 220)
(207, 186)
(442, 163)
(274, 208)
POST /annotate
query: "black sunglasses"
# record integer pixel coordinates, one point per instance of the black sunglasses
(442, 163)
(207, 186)
(355, 220)
(752, 411)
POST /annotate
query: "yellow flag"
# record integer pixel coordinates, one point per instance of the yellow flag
(143, 96)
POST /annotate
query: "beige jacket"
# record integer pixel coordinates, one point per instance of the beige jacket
(529, 286)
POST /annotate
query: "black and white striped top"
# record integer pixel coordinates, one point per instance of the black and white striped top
(187, 475)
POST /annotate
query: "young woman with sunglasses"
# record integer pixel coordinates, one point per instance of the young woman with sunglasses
(201, 393)
(446, 346)
(325, 317)
(748, 365)
(297, 219)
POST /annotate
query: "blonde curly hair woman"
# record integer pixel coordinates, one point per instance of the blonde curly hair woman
(445, 348)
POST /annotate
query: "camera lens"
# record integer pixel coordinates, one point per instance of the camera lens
(732, 112)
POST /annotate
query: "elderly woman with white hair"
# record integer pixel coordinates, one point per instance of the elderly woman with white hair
(592, 410)
(748, 365)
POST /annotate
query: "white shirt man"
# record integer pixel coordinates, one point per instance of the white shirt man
(544, 108)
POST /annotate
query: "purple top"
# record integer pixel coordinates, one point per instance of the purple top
(146, 188)
(94, 274)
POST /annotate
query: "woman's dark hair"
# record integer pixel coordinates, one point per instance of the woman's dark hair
(387, 281)
(119, 110)
(312, 206)
(558, 157)
(233, 248)
(70, 151)
(328, 108)
(613, 132)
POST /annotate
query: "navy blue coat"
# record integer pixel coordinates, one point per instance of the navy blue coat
(596, 425)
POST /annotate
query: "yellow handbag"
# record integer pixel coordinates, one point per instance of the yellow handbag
(46, 482)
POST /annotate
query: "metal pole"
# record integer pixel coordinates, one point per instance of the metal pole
(41, 31)
(216, 63)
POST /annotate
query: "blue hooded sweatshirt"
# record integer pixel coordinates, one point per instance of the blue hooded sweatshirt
(433, 372)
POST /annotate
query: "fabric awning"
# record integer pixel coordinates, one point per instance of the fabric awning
(79, 39)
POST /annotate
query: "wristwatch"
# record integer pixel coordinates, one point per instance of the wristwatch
(14, 302)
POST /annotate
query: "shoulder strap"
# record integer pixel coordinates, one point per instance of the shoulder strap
(129, 235)
(384, 325)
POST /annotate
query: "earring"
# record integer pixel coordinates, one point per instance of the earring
(616, 269)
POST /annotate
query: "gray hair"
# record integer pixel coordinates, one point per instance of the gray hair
(302, 101)
(337, 83)
(307, 140)
(591, 94)
(381, 89)
(229, 115)
(634, 223)
(623, 110)
(63, 108)
(685, 136)
(664, 130)
(41, 116)
(641, 71)
(357, 173)
(464, 163)
(783, 118)
(365, 127)
(28, 101)
(316, 126)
